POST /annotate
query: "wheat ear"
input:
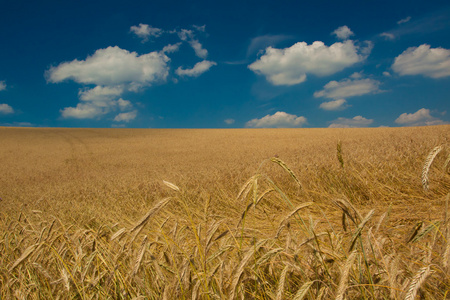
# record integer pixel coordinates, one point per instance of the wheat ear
(24, 255)
(287, 169)
(427, 165)
(343, 283)
(417, 282)
(303, 290)
(150, 213)
(241, 267)
(282, 282)
(138, 260)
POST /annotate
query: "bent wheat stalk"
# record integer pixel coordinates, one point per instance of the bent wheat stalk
(427, 165)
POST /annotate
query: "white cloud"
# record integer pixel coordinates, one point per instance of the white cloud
(100, 93)
(343, 32)
(339, 104)
(97, 101)
(198, 48)
(145, 31)
(171, 48)
(197, 70)
(82, 111)
(124, 104)
(387, 74)
(354, 122)
(2, 85)
(290, 66)
(348, 88)
(189, 36)
(126, 117)
(405, 20)
(422, 117)
(278, 120)
(6, 109)
(185, 34)
(387, 36)
(113, 66)
(423, 60)
(229, 121)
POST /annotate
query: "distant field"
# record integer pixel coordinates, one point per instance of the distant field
(253, 213)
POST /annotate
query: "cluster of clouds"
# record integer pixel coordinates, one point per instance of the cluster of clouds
(422, 117)
(110, 73)
(282, 119)
(292, 65)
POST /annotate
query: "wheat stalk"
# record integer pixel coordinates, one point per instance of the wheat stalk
(427, 165)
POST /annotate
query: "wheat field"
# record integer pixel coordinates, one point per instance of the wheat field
(225, 214)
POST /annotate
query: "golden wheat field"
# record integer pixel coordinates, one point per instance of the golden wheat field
(225, 214)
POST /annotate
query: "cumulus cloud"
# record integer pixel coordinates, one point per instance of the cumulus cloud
(100, 93)
(387, 36)
(82, 111)
(422, 117)
(291, 65)
(423, 60)
(2, 85)
(278, 120)
(343, 32)
(229, 121)
(126, 117)
(348, 88)
(6, 109)
(111, 72)
(354, 122)
(113, 66)
(387, 74)
(405, 20)
(197, 70)
(339, 104)
(145, 31)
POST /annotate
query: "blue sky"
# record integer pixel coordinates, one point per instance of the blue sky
(224, 64)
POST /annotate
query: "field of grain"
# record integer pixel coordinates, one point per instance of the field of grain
(225, 214)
